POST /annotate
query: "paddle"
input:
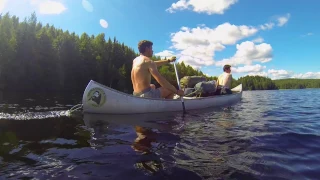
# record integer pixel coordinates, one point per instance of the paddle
(175, 68)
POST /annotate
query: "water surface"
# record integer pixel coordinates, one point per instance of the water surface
(268, 135)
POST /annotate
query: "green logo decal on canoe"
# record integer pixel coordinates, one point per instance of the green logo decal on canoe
(96, 97)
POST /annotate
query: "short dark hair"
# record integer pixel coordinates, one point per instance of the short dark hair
(143, 44)
(226, 67)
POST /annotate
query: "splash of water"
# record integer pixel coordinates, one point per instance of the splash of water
(34, 115)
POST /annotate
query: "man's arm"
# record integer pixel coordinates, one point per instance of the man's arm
(162, 62)
(159, 78)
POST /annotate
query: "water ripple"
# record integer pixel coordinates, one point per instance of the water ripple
(268, 135)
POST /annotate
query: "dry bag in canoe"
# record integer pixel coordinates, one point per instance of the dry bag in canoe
(191, 81)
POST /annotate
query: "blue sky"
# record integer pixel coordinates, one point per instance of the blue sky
(272, 38)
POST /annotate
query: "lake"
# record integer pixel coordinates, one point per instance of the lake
(268, 135)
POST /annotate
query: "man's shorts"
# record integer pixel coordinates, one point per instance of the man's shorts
(149, 93)
(222, 90)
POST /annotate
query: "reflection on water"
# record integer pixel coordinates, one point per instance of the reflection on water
(151, 139)
(26, 145)
(268, 135)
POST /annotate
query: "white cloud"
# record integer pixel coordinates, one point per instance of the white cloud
(279, 74)
(267, 26)
(248, 69)
(165, 53)
(87, 5)
(193, 56)
(51, 7)
(202, 6)
(284, 74)
(263, 74)
(283, 20)
(280, 20)
(2, 5)
(196, 63)
(23, 8)
(258, 40)
(198, 56)
(226, 33)
(202, 42)
(308, 75)
(308, 34)
(247, 53)
(104, 23)
(198, 45)
(35, 2)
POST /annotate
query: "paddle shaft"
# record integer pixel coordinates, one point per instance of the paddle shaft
(175, 68)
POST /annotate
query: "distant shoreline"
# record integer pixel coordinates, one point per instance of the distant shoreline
(299, 88)
(279, 89)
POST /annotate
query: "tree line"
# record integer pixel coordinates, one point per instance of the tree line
(265, 83)
(41, 58)
(297, 83)
(256, 83)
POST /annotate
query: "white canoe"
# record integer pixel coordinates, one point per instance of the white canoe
(98, 98)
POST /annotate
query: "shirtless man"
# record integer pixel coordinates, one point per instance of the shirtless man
(142, 69)
(224, 80)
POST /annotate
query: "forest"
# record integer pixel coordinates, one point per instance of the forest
(264, 83)
(297, 83)
(256, 83)
(42, 58)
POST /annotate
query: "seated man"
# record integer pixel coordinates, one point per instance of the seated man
(142, 69)
(224, 81)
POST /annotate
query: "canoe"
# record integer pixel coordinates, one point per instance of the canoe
(98, 98)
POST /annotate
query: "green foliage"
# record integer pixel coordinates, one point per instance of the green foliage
(42, 58)
(297, 83)
(263, 83)
(256, 83)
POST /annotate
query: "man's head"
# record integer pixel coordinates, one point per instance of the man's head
(145, 48)
(227, 68)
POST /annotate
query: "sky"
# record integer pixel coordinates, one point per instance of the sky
(272, 38)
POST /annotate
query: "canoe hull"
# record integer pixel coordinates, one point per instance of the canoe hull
(98, 98)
